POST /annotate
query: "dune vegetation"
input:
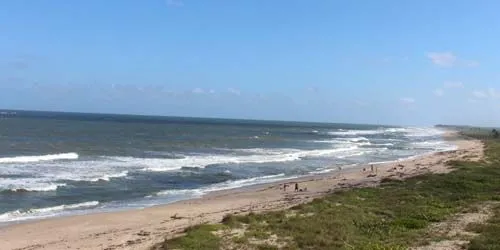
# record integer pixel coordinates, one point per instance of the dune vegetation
(415, 212)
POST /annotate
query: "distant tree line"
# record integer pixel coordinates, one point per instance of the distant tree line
(495, 133)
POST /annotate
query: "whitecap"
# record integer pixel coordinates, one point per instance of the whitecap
(38, 158)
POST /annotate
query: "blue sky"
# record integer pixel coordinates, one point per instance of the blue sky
(387, 62)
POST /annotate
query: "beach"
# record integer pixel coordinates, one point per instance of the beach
(141, 229)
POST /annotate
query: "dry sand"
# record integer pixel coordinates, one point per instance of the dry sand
(141, 229)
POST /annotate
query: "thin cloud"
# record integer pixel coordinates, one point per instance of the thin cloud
(493, 93)
(448, 60)
(313, 89)
(479, 94)
(198, 91)
(407, 100)
(470, 63)
(442, 59)
(490, 93)
(439, 92)
(234, 91)
(447, 85)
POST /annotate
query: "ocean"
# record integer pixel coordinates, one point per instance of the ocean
(58, 164)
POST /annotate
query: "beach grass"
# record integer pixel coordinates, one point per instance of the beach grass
(395, 215)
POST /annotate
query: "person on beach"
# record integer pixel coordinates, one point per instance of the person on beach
(371, 166)
(296, 187)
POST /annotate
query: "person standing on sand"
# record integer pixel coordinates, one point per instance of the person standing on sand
(296, 187)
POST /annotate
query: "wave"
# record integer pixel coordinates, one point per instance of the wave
(38, 158)
(383, 144)
(41, 188)
(344, 140)
(225, 186)
(263, 156)
(356, 132)
(396, 130)
(23, 185)
(433, 145)
(34, 213)
(109, 176)
(423, 132)
(409, 132)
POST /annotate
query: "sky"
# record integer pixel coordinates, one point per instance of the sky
(380, 62)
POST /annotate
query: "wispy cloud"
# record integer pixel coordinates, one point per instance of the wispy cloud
(479, 94)
(439, 92)
(407, 100)
(490, 93)
(443, 59)
(234, 91)
(493, 93)
(447, 85)
(174, 3)
(448, 60)
(312, 89)
(198, 91)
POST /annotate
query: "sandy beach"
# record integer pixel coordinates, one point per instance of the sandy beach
(140, 229)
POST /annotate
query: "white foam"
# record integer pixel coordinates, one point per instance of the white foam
(423, 132)
(37, 213)
(383, 144)
(180, 192)
(110, 176)
(29, 184)
(356, 132)
(263, 156)
(191, 193)
(434, 145)
(42, 188)
(344, 140)
(395, 130)
(357, 139)
(38, 158)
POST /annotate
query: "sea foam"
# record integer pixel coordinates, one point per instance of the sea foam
(38, 158)
(38, 213)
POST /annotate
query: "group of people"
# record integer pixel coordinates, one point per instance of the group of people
(297, 189)
(372, 168)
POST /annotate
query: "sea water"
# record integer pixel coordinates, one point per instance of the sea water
(56, 164)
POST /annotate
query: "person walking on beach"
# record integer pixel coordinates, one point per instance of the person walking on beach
(296, 187)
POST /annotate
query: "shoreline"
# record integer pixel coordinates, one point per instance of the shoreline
(142, 228)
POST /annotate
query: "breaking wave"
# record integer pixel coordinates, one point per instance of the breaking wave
(38, 213)
(226, 185)
(38, 158)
